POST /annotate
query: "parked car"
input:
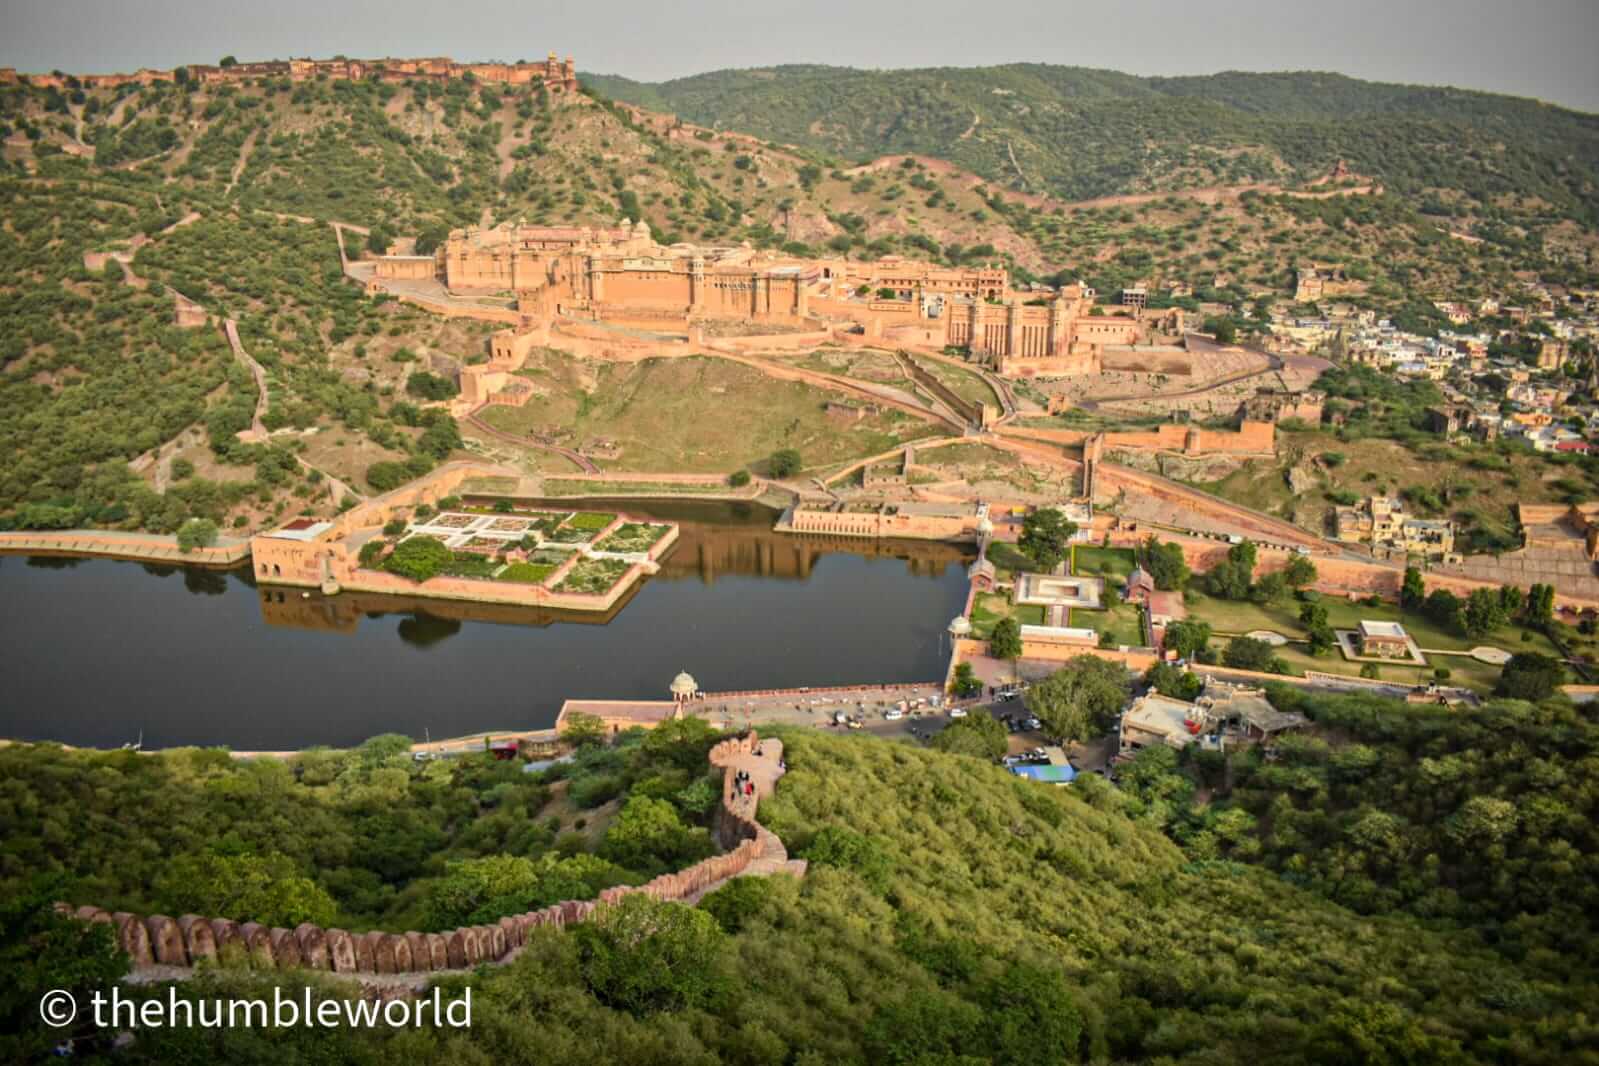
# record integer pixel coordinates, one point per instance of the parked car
(957, 712)
(893, 714)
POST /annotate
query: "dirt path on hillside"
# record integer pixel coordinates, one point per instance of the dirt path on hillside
(245, 150)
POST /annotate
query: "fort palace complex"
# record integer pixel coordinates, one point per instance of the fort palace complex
(621, 275)
(558, 76)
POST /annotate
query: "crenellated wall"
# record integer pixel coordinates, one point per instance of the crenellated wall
(160, 940)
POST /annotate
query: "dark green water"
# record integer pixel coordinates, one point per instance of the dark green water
(99, 650)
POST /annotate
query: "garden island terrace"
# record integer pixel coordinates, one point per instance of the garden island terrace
(423, 540)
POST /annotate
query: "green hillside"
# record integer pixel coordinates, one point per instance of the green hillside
(1076, 133)
(952, 914)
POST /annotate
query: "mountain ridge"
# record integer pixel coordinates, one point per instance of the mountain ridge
(1078, 133)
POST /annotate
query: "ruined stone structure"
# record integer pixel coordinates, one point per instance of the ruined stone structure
(1313, 281)
(1268, 405)
(159, 940)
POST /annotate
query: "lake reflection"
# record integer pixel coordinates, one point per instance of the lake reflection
(100, 650)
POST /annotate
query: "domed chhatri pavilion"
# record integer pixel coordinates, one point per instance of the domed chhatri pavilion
(684, 687)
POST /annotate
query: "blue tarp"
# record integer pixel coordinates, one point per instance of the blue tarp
(1054, 775)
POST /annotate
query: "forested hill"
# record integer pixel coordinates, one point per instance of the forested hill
(1078, 133)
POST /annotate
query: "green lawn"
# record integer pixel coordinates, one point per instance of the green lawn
(989, 607)
(1104, 562)
(1006, 556)
(1124, 623)
(1227, 616)
(591, 520)
(527, 573)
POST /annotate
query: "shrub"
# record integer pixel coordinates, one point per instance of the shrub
(196, 533)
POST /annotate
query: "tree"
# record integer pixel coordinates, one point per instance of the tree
(1540, 607)
(1299, 572)
(737, 901)
(1313, 614)
(1187, 637)
(1269, 589)
(1081, 699)
(1169, 679)
(583, 729)
(1484, 612)
(42, 951)
(378, 240)
(1005, 641)
(1233, 577)
(418, 558)
(261, 888)
(196, 533)
(1442, 607)
(228, 61)
(965, 682)
(785, 463)
(1247, 653)
(430, 386)
(1321, 639)
(1414, 590)
(647, 834)
(1531, 676)
(1046, 537)
(1222, 328)
(1165, 563)
(978, 735)
(387, 475)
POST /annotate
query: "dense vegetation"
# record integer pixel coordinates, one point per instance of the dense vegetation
(953, 913)
(1079, 133)
(357, 839)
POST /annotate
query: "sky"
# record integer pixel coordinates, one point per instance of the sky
(1540, 48)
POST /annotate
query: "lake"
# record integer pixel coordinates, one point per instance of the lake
(99, 650)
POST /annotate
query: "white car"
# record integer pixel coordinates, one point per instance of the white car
(957, 712)
(893, 714)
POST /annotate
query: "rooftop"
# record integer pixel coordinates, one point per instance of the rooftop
(1390, 630)
(301, 529)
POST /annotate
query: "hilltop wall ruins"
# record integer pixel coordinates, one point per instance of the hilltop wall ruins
(160, 940)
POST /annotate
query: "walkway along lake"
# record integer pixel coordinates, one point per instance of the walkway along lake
(98, 650)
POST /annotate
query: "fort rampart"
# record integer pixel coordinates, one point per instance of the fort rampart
(159, 940)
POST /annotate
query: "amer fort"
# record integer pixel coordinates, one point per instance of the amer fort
(1200, 408)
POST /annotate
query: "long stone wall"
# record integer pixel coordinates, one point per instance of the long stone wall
(158, 940)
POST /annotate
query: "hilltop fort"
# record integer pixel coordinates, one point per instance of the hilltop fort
(557, 76)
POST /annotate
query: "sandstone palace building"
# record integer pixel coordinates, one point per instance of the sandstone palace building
(621, 275)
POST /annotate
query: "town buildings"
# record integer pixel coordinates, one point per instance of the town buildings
(1383, 523)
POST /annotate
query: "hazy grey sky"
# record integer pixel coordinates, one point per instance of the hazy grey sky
(1539, 48)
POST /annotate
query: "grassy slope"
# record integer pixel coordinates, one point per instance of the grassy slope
(695, 414)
